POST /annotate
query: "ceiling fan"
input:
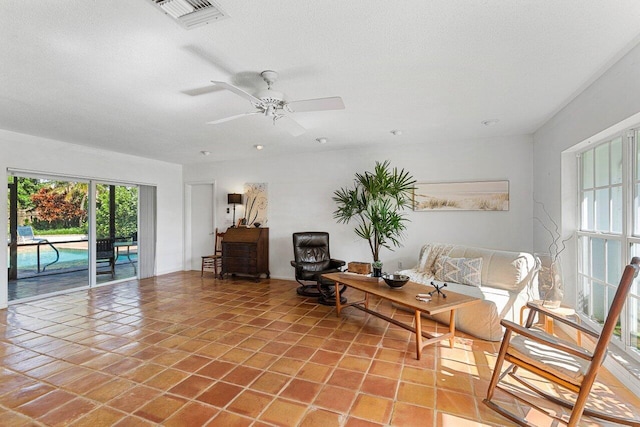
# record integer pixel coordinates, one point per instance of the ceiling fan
(272, 103)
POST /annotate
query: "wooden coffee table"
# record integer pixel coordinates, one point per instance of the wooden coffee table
(405, 296)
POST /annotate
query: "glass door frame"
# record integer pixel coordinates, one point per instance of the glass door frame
(91, 221)
(15, 173)
(93, 224)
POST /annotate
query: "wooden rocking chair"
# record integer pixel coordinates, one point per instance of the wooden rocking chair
(558, 361)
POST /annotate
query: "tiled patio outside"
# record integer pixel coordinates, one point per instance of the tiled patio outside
(67, 279)
(179, 350)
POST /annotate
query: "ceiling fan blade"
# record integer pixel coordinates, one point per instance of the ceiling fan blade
(202, 90)
(290, 125)
(319, 104)
(239, 91)
(237, 116)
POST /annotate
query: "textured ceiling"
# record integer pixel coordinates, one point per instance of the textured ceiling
(122, 76)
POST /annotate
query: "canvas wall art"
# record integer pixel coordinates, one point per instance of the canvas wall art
(255, 203)
(462, 196)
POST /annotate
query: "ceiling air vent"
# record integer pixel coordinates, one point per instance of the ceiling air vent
(191, 13)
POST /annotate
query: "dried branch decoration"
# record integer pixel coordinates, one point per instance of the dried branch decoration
(557, 245)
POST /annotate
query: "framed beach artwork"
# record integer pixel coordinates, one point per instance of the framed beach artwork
(461, 196)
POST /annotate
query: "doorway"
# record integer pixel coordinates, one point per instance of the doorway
(48, 230)
(116, 232)
(200, 220)
(51, 242)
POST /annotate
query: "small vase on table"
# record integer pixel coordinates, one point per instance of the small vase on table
(377, 269)
(550, 286)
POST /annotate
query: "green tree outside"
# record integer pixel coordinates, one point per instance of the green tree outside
(126, 215)
(64, 197)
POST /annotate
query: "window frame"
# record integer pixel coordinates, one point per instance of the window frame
(630, 152)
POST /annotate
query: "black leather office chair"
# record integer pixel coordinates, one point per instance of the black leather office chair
(312, 259)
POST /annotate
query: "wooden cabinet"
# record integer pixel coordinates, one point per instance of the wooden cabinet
(246, 251)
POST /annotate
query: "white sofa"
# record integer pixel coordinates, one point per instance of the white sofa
(506, 283)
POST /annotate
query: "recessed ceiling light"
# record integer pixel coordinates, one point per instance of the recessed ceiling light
(259, 147)
(396, 132)
(322, 140)
(490, 122)
(205, 153)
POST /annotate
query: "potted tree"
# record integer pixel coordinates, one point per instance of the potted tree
(375, 202)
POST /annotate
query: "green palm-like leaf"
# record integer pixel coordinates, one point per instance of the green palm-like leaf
(375, 202)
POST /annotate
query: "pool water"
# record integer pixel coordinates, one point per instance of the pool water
(28, 259)
(69, 258)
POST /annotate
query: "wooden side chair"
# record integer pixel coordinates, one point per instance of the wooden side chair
(212, 262)
(561, 362)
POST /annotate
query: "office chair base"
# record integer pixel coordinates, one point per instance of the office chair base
(308, 291)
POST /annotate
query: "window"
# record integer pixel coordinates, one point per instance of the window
(609, 233)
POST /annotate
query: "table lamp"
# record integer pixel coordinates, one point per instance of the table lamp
(234, 199)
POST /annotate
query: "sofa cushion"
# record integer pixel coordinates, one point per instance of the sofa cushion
(481, 320)
(511, 271)
(417, 276)
(467, 271)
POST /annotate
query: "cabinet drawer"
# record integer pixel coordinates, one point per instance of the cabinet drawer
(239, 251)
(239, 265)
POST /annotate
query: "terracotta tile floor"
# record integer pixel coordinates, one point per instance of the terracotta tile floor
(179, 350)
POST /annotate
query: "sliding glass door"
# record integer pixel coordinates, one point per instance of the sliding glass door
(116, 232)
(48, 246)
(54, 228)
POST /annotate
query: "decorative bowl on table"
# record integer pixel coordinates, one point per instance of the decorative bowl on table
(395, 280)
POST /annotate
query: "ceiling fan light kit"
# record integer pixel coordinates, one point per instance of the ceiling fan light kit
(269, 76)
(273, 104)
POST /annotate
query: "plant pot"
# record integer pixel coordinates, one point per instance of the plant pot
(550, 286)
(377, 272)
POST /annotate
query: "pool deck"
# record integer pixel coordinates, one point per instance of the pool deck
(61, 276)
(62, 280)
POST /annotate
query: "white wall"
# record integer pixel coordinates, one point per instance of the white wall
(36, 154)
(612, 98)
(301, 188)
(603, 107)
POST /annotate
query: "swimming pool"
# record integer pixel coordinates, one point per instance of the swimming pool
(29, 258)
(69, 258)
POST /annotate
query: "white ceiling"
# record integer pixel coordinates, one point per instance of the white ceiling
(121, 75)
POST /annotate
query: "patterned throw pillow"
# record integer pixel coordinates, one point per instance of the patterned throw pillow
(466, 271)
(431, 255)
